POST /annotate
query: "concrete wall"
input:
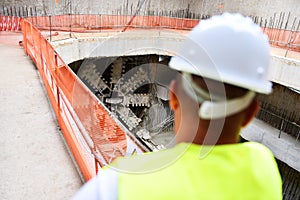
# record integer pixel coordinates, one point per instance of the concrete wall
(128, 43)
(180, 8)
(285, 71)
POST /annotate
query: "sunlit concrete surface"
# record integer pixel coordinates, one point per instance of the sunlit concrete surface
(77, 46)
(284, 147)
(34, 161)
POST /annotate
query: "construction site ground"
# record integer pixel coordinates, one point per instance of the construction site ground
(34, 161)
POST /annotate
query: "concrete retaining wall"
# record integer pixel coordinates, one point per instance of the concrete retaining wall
(128, 43)
(285, 71)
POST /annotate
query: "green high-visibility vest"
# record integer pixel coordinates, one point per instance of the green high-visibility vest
(232, 171)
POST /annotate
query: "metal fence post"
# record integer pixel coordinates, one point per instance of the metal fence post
(281, 126)
(290, 38)
(50, 28)
(70, 21)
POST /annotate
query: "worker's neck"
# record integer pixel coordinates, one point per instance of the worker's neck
(209, 133)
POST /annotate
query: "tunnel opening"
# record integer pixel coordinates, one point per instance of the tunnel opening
(135, 90)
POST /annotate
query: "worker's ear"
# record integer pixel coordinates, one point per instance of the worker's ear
(173, 102)
(251, 112)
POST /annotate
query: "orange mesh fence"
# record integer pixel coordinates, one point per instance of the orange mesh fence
(90, 22)
(89, 129)
(287, 39)
(10, 23)
(38, 49)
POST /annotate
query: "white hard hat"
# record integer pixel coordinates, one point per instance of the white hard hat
(228, 48)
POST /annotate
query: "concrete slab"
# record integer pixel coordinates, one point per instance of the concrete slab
(34, 162)
(286, 148)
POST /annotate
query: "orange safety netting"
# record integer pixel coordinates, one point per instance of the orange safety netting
(91, 133)
(96, 22)
(93, 136)
(286, 39)
(8, 23)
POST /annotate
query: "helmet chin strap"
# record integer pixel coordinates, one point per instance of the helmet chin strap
(214, 110)
(214, 106)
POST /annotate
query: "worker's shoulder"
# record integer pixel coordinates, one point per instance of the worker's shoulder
(150, 162)
(261, 154)
(256, 147)
(251, 151)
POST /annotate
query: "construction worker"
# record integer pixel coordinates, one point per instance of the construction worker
(222, 64)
